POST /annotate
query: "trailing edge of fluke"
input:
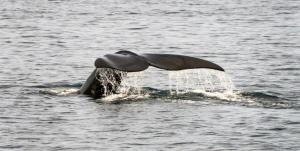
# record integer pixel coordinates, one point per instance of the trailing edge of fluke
(131, 62)
(126, 61)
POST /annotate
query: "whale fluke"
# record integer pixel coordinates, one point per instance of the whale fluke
(178, 62)
(131, 62)
(99, 85)
(123, 61)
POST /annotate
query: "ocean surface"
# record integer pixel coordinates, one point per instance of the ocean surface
(48, 49)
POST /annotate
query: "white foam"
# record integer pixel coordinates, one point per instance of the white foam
(115, 97)
(64, 92)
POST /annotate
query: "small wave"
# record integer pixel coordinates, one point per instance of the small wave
(172, 12)
(58, 85)
(136, 28)
(288, 69)
(8, 86)
(121, 98)
(133, 13)
(60, 92)
(225, 95)
(259, 95)
(250, 99)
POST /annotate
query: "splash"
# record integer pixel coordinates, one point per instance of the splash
(125, 85)
(218, 85)
(208, 82)
(109, 79)
(204, 80)
(131, 88)
(186, 86)
(132, 83)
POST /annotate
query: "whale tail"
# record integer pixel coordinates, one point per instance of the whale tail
(130, 62)
(126, 61)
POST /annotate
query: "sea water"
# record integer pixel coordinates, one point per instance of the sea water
(48, 49)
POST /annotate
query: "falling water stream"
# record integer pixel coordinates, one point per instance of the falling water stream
(205, 81)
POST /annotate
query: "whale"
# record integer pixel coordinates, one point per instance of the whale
(110, 69)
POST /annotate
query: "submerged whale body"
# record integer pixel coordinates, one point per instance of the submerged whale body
(111, 68)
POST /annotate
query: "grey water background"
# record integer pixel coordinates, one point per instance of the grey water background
(51, 45)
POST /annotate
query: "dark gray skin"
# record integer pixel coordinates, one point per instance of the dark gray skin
(96, 89)
(127, 61)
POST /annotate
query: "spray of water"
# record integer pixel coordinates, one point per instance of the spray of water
(125, 85)
(210, 83)
(132, 84)
(110, 79)
(199, 80)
